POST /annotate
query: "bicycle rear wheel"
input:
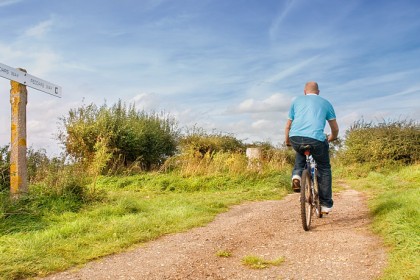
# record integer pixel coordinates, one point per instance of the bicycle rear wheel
(306, 200)
(316, 189)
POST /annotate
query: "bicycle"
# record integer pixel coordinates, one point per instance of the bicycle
(309, 195)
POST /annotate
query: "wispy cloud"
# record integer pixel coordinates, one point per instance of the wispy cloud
(230, 67)
(40, 29)
(45, 62)
(275, 26)
(4, 3)
(9, 53)
(275, 103)
(293, 69)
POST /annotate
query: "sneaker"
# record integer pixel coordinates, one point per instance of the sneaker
(325, 209)
(296, 183)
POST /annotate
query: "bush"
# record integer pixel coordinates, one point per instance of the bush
(4, 168)
(198, 143)
(382, 144)
(131, 136)
(39, 166)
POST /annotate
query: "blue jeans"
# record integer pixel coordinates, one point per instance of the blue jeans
(320, 152)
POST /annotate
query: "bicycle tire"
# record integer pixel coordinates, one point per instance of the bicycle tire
(306, 200)
(316, 187)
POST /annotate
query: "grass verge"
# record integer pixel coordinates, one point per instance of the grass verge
(47, 236)
(394, 201)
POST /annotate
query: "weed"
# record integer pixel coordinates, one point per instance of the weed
(256, 262)
(223, 254)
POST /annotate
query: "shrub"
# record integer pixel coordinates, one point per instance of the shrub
(4, 168)
(131, 135)
(38, 164)
(198, 143)
(382, 143)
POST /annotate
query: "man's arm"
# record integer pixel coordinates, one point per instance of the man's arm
(334, 130)
(286, 132)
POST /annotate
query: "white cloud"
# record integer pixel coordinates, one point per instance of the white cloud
(76, 66)
(9, 53)
(35, 56)
(37, 62)
(261, 124)
(274, 103)
(216, 74)
(44, 62)
(249, 130)
(40, 29)
(146, 101)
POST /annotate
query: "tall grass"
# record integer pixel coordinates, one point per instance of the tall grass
(188, 164)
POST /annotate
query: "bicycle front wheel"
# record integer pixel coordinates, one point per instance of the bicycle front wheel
(306, 200)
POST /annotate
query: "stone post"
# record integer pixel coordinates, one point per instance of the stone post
(18, 164)
(254, 156)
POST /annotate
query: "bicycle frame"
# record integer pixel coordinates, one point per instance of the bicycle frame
(309, 190)
(311, 166)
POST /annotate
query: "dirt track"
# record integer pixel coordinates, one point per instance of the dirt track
(342, 246)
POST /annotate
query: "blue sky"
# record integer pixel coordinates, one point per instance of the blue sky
(233, 66)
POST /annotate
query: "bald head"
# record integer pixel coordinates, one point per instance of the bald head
(311, 87)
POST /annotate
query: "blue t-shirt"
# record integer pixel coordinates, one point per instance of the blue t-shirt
(309, 114)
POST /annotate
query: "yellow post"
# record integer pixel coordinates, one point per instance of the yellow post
(18, 164)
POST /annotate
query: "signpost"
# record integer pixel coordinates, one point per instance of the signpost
(25, 79)
(18, 100)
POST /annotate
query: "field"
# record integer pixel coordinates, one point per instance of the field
(51, 235)
(76, 211)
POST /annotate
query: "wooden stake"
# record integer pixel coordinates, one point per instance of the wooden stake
(18, 162)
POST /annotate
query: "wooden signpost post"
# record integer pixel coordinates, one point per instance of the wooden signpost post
(18, 100)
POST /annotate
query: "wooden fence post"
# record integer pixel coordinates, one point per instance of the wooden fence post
(18, 162)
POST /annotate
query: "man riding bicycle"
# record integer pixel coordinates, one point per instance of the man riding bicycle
(308, 115)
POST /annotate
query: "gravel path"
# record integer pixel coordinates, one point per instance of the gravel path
(340, 246)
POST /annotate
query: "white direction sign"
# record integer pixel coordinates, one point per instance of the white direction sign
(29, 80)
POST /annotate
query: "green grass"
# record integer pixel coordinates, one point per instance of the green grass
(223, 254)
(256, 262)
(395, 202)
(44, 234)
